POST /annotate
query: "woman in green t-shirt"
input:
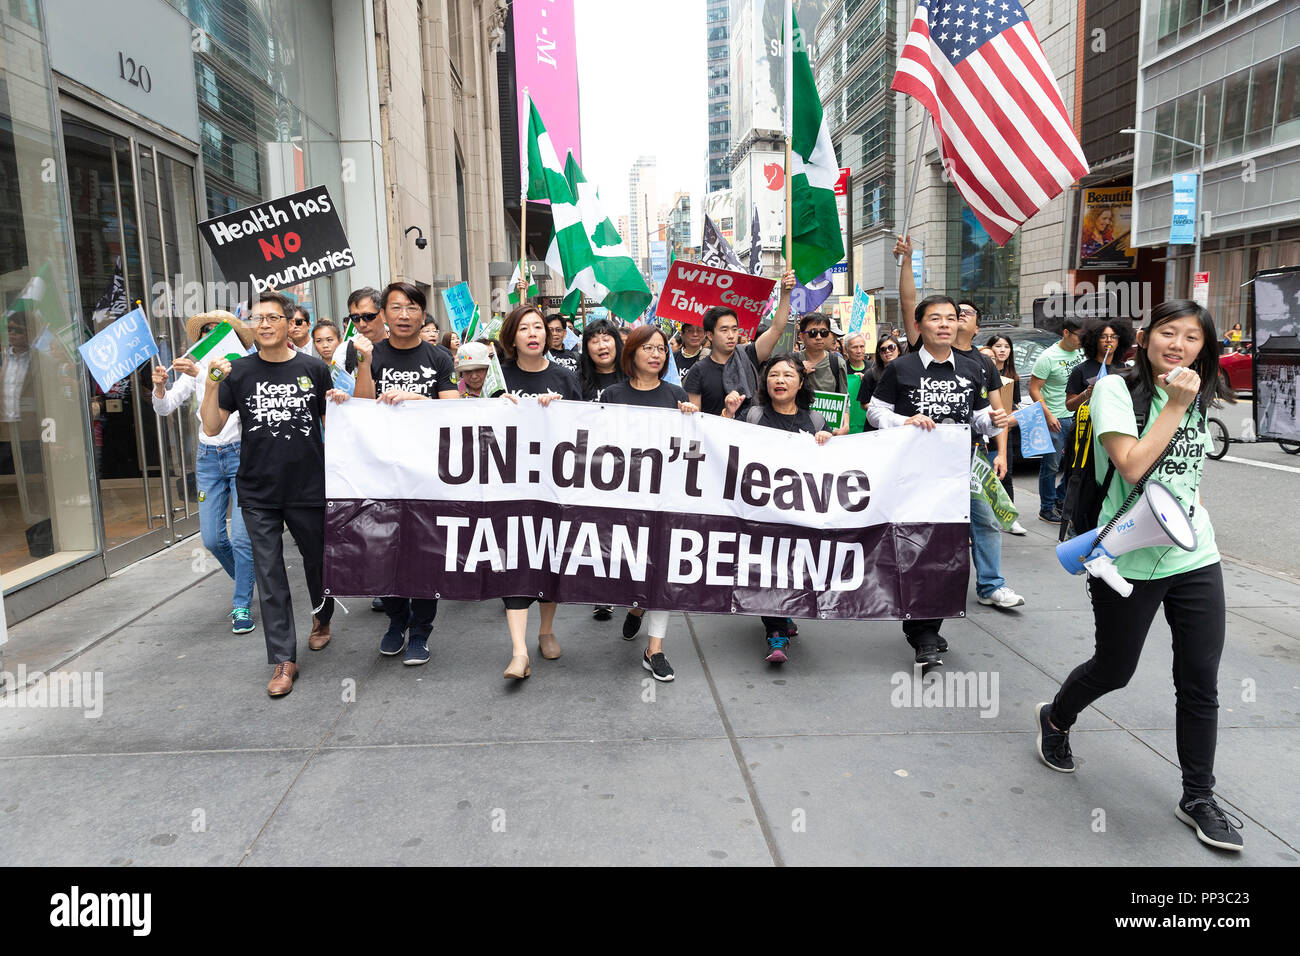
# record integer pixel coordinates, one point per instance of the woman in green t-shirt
(1189, 584)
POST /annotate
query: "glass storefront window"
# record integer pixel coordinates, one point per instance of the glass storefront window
(47, 516)
(981, 269)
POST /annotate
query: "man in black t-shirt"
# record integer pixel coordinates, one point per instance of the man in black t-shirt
(729, 366)
(555, 350)
(405, 368)
(280, 395)
(934, 385)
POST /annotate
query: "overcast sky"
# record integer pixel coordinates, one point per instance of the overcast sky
(642, 89)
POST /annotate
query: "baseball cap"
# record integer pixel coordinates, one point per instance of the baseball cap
(472, 355)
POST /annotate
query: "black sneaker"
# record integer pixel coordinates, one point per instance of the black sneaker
(657, 665)
(631, 624)
(417, 651)
(394, 641)
(377, 604)
(927, 650)
(943, 645)
(1051, 517)
(602, 612)
(1053, 745)
(1214, 825)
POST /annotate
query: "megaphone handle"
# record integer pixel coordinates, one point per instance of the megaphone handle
(1104, 569)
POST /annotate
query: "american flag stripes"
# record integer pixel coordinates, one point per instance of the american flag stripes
(1007, 142)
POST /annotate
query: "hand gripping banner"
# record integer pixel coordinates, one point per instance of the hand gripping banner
(604, 504)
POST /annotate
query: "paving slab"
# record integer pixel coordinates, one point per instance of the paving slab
(651, 803)
(977, 800)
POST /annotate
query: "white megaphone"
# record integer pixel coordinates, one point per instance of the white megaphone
(1160, 523)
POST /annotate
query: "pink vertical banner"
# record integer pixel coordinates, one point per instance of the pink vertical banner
(546, 64)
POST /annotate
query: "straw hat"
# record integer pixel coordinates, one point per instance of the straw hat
(197, 322)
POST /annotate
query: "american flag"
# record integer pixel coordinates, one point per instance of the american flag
(1007, 142)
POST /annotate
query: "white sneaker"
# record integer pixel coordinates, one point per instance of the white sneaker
(1017, 528)
(1003, 597)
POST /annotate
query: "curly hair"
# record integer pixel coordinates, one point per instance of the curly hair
(1091, 338)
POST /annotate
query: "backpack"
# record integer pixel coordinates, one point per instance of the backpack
(1084, 495)
(839, 368)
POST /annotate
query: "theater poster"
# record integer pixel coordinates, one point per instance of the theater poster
(1105, 223)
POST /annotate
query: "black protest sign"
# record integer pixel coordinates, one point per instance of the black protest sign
(281, 242)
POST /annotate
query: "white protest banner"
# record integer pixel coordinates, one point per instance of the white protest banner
(586, 503)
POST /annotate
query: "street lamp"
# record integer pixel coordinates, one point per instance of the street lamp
(1200, 176)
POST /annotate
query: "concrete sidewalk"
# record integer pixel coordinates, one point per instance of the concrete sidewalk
(591, 762)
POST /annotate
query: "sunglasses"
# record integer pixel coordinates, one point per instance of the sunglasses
(817, 333)
(207, 328)
(364, 316)
(302, 321)
(886, 349)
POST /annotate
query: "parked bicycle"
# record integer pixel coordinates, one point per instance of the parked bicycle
(1220, 440)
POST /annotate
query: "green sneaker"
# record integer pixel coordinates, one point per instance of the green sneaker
(241, 621)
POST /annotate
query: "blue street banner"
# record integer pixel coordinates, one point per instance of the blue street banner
(1035, 436)
(1182, 221)
(918, 266)
(659, 263)
(119, 349)
(460, 307)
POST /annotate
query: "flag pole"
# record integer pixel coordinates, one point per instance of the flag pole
(523, 201)
(916, 174)
(789, 127)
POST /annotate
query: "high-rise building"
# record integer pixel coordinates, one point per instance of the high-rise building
(679, 224)
(1233, 70)
(643, 206)
(719, 70)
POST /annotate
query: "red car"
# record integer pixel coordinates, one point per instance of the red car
(1236, 369)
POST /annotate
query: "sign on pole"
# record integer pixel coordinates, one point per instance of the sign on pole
(693, 288)
(1182, 222)
(460, 307)
(1201, 289)
(281, 242)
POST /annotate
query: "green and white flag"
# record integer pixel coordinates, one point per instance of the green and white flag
(608, 275)
(514, 285)
(586, 248)
(814, 171)
(221, 342)
(495, 380)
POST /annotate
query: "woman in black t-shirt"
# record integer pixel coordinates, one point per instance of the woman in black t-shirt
(645, 361)
(529, 374)
(888, 348)
(599, 364)
(1101, 338)
(783, 400)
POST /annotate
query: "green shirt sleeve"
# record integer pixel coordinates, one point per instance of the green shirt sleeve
(1043, 364)
(1112, 408)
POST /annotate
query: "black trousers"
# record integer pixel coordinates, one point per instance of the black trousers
(913, 629)
(417, 613)
(266, 533)
(1195, 609)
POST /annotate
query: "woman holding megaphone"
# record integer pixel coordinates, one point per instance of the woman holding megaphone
(1150, 424)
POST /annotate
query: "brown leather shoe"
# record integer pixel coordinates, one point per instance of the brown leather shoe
(286, 672)
(549, 646)
(320, 634)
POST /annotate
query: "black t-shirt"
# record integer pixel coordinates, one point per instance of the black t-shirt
(802, 420)
(949, 392)
(663, 395)
(705, 380)
(686, 363)
(603, 381)
(1078, 382)
(281, 406)
(425, 369)
(564, 357)
(553, 378)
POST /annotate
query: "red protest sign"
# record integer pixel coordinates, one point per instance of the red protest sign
(693, 288)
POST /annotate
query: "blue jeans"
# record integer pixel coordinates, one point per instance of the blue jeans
(1051, 491)
(216, 466)
(985, 547)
